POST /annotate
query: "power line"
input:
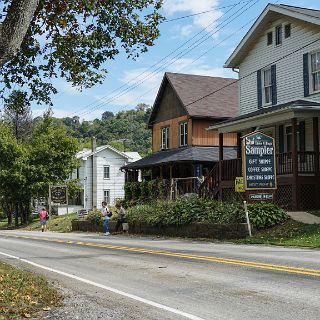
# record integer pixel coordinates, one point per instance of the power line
(178, 56)
(157, 63)
(252, 73)
(200, 13)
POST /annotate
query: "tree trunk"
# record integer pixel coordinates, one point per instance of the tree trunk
(16, 216)
(15, 26)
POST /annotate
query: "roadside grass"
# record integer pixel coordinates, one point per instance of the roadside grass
(24, 294)
(289, 233)
(315, 212)
(56, 223)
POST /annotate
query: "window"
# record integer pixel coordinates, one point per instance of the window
(183, 132)
(288, 139)
(106, 172)
(269, 38)
(287, 30)
(278, 35)
(267, 87)
(315, 71)
(164, 138)
(106, 196)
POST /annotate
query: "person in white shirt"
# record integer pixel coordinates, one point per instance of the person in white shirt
(105, 218)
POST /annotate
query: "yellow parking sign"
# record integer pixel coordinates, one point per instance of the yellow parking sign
(239, 184)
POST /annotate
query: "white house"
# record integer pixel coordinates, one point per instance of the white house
(100, 176)
(278, 62)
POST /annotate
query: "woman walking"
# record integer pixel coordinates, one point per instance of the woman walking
(43, 216)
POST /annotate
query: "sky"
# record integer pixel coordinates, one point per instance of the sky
(199, 44)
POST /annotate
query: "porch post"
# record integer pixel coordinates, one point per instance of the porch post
(161, 172)
(239, 153)
(295, 186)
(220, 163)
(316, 144)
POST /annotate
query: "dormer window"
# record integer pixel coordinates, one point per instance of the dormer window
(269, 38)
(278, 35)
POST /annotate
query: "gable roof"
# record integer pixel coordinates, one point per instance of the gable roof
(86, 153)
(271, 12)
(189, 88)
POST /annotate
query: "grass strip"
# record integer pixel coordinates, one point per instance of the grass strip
(289, 233)
(23, 294)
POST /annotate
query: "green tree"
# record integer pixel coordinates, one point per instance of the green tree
(18, 114)
(72, 39)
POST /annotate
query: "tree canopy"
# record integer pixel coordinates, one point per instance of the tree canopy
(71, 39)
(126, 130)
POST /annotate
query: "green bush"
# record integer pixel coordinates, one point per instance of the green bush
(186, 211)
(264, 215)
(94, 216)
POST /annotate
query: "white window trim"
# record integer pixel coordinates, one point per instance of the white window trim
(106, 198)
(311, 91)
(104, 178)
(165, 132)
(264, 104)
(185, 133)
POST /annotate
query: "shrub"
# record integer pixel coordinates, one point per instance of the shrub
(185, 211)
(264, 215)
(94, 217)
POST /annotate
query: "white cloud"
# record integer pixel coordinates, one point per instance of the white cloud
(149, 82)
(172, 7)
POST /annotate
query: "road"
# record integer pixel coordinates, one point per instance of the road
(156, 278)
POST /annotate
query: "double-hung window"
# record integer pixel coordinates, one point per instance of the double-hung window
(267, 87)
(183, 134)
(106, 196)
(315, 71)
(106, 172)
(165, 138)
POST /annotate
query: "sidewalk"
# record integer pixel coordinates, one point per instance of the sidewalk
(304, 217)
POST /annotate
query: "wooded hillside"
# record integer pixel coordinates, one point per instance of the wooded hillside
(126, 130)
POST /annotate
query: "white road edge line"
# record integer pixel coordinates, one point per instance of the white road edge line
(122, 293)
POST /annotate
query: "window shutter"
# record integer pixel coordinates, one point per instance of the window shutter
(274, 84)
(302, 135)
(306, 74)
(259, 89)
(281, 139)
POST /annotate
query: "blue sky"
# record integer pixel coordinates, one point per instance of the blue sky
(198, 45)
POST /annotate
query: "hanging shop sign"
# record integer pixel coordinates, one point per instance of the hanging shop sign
(259, 162)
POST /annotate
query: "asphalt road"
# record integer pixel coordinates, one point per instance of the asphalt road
(124, 277)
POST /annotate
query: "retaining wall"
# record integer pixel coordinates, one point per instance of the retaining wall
(193, 230)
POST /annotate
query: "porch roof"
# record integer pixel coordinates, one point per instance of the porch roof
(188, 154)
(270, 115)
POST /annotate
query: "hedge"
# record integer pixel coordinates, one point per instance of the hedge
(186, 211)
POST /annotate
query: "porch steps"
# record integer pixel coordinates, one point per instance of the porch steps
(304, 217)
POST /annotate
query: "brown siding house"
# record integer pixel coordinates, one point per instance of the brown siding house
(183, 110)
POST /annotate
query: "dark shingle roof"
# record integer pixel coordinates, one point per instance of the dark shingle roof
(188, 154)
(217, 103)
(308, 12)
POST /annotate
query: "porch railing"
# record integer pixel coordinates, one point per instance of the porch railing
(306, 163)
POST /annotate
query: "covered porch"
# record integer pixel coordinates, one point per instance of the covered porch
(295, 128)
(181, 169)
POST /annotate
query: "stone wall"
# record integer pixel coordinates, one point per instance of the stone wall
(193, 230)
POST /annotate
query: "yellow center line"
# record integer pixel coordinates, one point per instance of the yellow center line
(244, 263)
